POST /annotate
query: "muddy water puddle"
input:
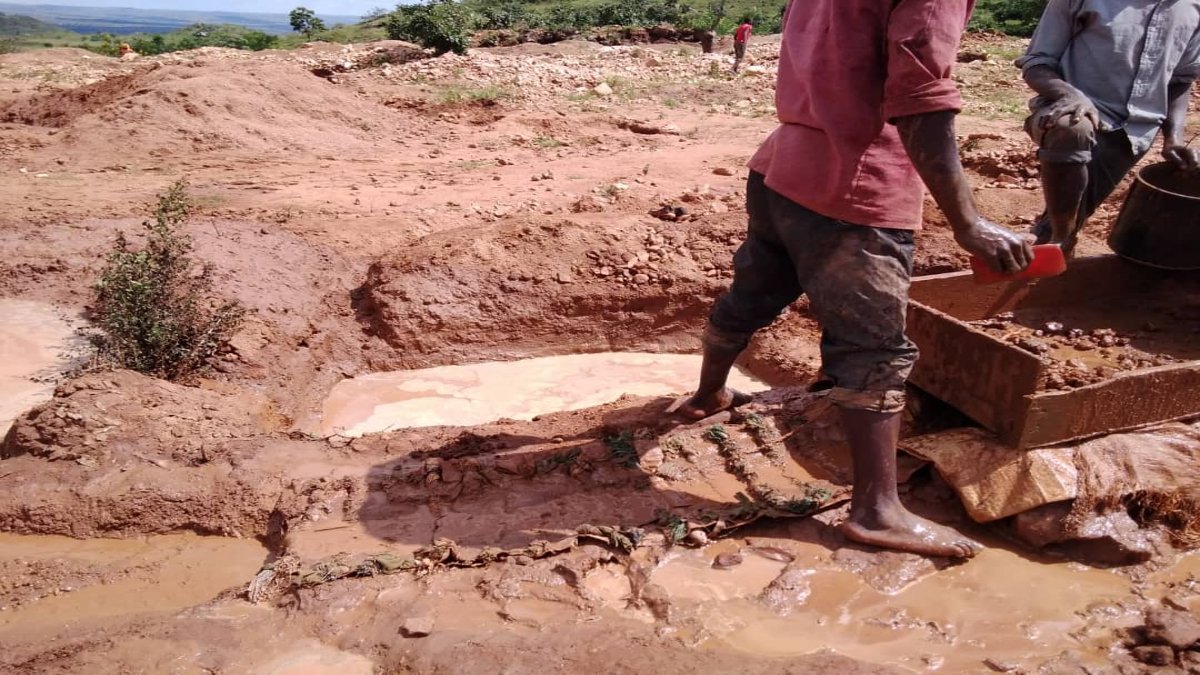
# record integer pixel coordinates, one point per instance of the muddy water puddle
(34, 341)
(57, 585)
(1000, 606)
(473, 394)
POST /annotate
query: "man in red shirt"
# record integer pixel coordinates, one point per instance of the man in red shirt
(741, 37)
(867, 107)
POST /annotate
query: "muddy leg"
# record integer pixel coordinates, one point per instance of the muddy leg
(876, 515)
(1063, 186)
(764, 284)
(1066, 152)
(712, 396)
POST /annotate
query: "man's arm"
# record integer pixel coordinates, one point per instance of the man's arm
(921, 99)
(1179, 94)
(1065, 99)
(1041, 65)
(1175, 148)
(930, 142)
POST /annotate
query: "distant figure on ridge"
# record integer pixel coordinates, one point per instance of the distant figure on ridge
(741, 38)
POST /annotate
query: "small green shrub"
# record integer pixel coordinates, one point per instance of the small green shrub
(1014, 17)
(155, 307)
(440, 25)
(502, 15)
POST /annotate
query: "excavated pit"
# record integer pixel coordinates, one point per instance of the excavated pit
(36, 342)
(472, 394)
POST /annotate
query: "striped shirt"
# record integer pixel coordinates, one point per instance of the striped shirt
(1122, 54)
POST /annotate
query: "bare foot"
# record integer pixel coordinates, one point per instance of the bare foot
(904, 531)
(699, 407)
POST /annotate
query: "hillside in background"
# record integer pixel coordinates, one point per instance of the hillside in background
(127, 21)
(16, 25)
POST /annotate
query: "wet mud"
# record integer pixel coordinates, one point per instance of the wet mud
(471, 394)
(306, 509)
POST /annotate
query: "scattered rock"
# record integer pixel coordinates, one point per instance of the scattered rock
(603, 89)
(1105, 539)
(652, 458)
(588, 204)
(789, 590)
(1154, 655)
(417, 627)
(723, 171)
(728, 560)
(1171, 627)
(648, 129)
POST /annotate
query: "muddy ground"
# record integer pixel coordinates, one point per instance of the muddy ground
(378, 215)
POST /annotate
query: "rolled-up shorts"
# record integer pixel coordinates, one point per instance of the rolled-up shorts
(856, 278)
(1108, 155)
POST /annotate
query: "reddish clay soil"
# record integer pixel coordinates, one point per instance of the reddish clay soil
(381, 216)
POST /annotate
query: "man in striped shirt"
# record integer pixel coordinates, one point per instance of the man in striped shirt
(1108, 74)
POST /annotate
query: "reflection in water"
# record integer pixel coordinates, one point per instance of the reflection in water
(33, 338)
(479, 393)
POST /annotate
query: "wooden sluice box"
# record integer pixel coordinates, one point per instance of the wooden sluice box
(1007, 373)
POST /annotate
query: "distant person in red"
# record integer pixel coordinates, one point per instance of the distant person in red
(740, 39)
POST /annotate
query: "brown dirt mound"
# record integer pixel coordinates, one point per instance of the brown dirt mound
(253, 106)
(89, 420)
(469, 295)
(58, 109)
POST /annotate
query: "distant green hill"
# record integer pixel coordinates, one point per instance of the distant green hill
(16, 25)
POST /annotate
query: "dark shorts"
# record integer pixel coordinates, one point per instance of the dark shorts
(739, 50)
(1107, 154)
(856, 279)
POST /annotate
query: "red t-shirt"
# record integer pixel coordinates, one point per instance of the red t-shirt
(743, 33)
(846, 68)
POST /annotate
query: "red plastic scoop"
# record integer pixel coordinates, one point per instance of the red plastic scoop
(1048, 261)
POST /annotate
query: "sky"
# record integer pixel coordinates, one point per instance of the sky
(334, 7)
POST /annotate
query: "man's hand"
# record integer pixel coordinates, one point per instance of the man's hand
(1180, 155)
(1074, 105)
(931, 145)
(1003, 251)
